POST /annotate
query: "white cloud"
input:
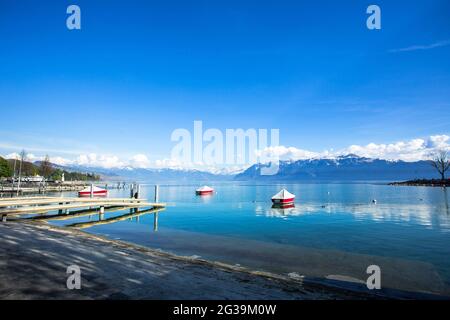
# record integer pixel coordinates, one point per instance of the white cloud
(13, 155)
(94, 160)
(140, 161)
(28, 156)
(286, 153)
(61, 161)
(438, 142)
(89, 160)
(412, 150)
(31, 157)
(172, 163)
(422, 47)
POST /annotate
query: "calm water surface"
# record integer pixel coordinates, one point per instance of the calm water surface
(334, 231)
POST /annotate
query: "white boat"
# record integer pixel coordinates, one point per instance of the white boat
(283, 197)
(204, 190)
(96, 192)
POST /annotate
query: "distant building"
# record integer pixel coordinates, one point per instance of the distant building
(36, 178)
(32, 179)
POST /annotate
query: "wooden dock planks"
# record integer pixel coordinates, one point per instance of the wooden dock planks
(36, 201)
(44, 204)
(24, 198)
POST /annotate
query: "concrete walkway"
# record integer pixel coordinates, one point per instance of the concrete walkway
(34, 259)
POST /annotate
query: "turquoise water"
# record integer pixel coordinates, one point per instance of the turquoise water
(334, 231)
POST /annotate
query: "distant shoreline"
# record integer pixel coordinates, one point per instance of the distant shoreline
(423, 183)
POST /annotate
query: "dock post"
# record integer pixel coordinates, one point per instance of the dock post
(155, 221)
(138, 191)
(131, 190)
(4, 218)
(92, 190)
(101, 213)
(156, 193)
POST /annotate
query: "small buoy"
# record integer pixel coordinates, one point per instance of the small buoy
(374, 201)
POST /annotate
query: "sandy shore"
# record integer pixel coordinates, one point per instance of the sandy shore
(34, 258)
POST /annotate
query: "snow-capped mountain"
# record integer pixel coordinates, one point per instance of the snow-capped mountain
(348, 167)
(157, 175)
(342, 168)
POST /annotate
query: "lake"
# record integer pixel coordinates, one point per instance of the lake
(334, 232)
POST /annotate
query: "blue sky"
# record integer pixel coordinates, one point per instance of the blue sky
(137, 70)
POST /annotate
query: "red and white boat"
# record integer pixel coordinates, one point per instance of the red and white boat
(97, 192)
(283, 197)
(204, 190)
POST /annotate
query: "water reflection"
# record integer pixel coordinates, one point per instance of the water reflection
(205, 198)
(155, 221)
(422, 214)
(447, 208)
(282, 211)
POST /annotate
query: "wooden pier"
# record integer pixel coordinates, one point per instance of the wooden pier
(8, 189)
(131, 215)
(30, 205)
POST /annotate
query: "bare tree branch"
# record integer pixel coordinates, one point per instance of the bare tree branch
(441, 163)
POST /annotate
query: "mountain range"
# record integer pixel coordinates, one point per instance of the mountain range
(348, 167)
(141, 174)
(343, 168)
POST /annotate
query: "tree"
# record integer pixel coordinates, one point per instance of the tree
(5, 169)
(56, 174)
(45, 168)
(23, 155)
(442, 163)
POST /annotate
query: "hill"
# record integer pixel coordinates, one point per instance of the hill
(156, 175)
(54, 172)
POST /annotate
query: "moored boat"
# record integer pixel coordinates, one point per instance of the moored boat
(204, 190)
(96, 192)
(284, 198)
